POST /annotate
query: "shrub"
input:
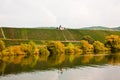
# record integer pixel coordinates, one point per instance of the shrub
(71, 49)
(78, 50)
(98, 46)
(5, 52)
(43, 51)
(86, 47)
(2, 45)
(55, 47)
(15, 50)
(113, 42)
(29, 48)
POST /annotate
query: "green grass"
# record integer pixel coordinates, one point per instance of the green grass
(37, 34)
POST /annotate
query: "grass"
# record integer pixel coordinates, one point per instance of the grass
(37, 34)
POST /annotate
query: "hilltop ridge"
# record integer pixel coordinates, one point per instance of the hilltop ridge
(101, 28)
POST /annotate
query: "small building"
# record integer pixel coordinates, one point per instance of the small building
(61, 28)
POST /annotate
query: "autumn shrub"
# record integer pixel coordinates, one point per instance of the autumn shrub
(43, 51)
(86, 47)
(77, 50)
(2, 45)
(71, 49)
(113, 42)
(55, 47)
(98, 46)
(15, 50)
(5, 52)
(29, 48)
(10, 50)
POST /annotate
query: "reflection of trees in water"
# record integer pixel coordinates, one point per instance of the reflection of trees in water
(59, 61)
(56, 59)
(42, 58)
(24, 60)
(72, 57)
(5, 58)
(2, 67)
(86, 59)
(18, 59)
(29, 61)
(99, 58)
(114, 59)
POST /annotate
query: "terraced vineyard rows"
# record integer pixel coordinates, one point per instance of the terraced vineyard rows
(53, 34)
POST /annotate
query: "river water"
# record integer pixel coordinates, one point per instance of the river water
(60, 67)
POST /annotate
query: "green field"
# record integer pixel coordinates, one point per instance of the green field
(16, 35)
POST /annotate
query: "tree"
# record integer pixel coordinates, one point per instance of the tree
(98, 46)
(29, 48)
(43, 51)
(113, 42)
(85, 46)
(2, 45)
(70, 48)
(55, 47)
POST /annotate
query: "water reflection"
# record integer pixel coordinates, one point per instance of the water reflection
(62, 66)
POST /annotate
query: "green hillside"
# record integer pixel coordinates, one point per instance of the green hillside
(38, 34)
(97, 28)
(101, 28)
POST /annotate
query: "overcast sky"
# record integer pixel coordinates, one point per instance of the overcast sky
(68, 13)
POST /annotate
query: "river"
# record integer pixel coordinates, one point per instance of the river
(60, 67)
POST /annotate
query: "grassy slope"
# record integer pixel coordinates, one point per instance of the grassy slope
(95, 34)
(54, 34)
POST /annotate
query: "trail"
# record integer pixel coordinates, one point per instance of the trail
(39, 40)
(70, 35)
(71, 41)
(64, 36)
(3, 33)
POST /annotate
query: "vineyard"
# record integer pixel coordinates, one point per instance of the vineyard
(17, 35)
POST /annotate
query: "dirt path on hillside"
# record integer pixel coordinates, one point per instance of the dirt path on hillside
(3, 33)
(70, 34)
(64, 36)
(38, 40)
